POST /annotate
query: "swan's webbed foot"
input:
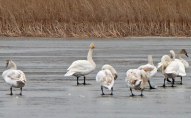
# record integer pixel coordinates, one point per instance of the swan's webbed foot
(152, 87)
(10, 94)
(164, 85)
(86, 83)
(102, 94)
(132, 95)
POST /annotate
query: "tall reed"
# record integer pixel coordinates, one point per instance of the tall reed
(95, 18)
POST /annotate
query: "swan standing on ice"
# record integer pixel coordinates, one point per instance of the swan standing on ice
(106, 77)
(185, 63)
(150, 70)
(82, 67)
(136, 79)
(15, 78)
(170, 67)
(182, 69)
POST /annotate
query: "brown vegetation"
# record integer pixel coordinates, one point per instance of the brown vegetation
(95, 18)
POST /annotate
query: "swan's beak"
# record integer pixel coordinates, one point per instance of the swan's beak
(186, 54)
(115, 76)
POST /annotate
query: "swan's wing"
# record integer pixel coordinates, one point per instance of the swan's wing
(16, 75)
(186, 64)
(105, 78)
(182, 70)
(149, 69)
(133, 77)
(173, 67)
(80, 65)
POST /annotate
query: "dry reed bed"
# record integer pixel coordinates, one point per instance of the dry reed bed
(95, 18)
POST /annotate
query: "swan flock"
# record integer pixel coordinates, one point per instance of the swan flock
(137, 78)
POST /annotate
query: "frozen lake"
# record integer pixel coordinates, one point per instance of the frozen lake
(48, 94)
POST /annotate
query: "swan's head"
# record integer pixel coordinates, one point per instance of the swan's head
(183, 51)
(92, 46)
(7, 63)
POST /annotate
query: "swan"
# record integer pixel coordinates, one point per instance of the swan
(15, 78)
(185, 63)
(106, 79)
(150, 70)
(183, 51)
(82, 67)
(172, 68)
(136, 79)
(182, 69)
(113, 71)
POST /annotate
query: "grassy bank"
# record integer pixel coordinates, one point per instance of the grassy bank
(95, 18)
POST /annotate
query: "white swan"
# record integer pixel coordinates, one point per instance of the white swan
(179, 59)
(113, 71)
(13, 77)
(170, 67)
(183, 51)
(136, 79)
(150, 70)
(106, 80)
(182, 70)
(82, 67)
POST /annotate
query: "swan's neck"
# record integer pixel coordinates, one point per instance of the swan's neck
(150, 60)
(13, 66)
(89, 57)
(173, 55)
(179, 55)
(165, 59)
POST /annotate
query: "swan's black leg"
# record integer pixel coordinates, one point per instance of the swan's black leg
(164, 82)
(77, 81)
(141, 92)
(168, 80)
(84, 80)
(172, 82)
(11, 91)
(21, 91)
(102, 90)
(131, 92)
(150, 85)
(112, 91)
(181, 80)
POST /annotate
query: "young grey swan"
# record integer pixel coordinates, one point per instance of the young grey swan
(150, 70)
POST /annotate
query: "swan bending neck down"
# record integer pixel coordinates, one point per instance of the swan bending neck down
(82, 67)
(136, 79)
(106, 80)
(170, 67)
(150, 70)
(106, 77)
(13, 77)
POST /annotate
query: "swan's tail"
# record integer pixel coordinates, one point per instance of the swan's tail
(145, 79)
(69, 73)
